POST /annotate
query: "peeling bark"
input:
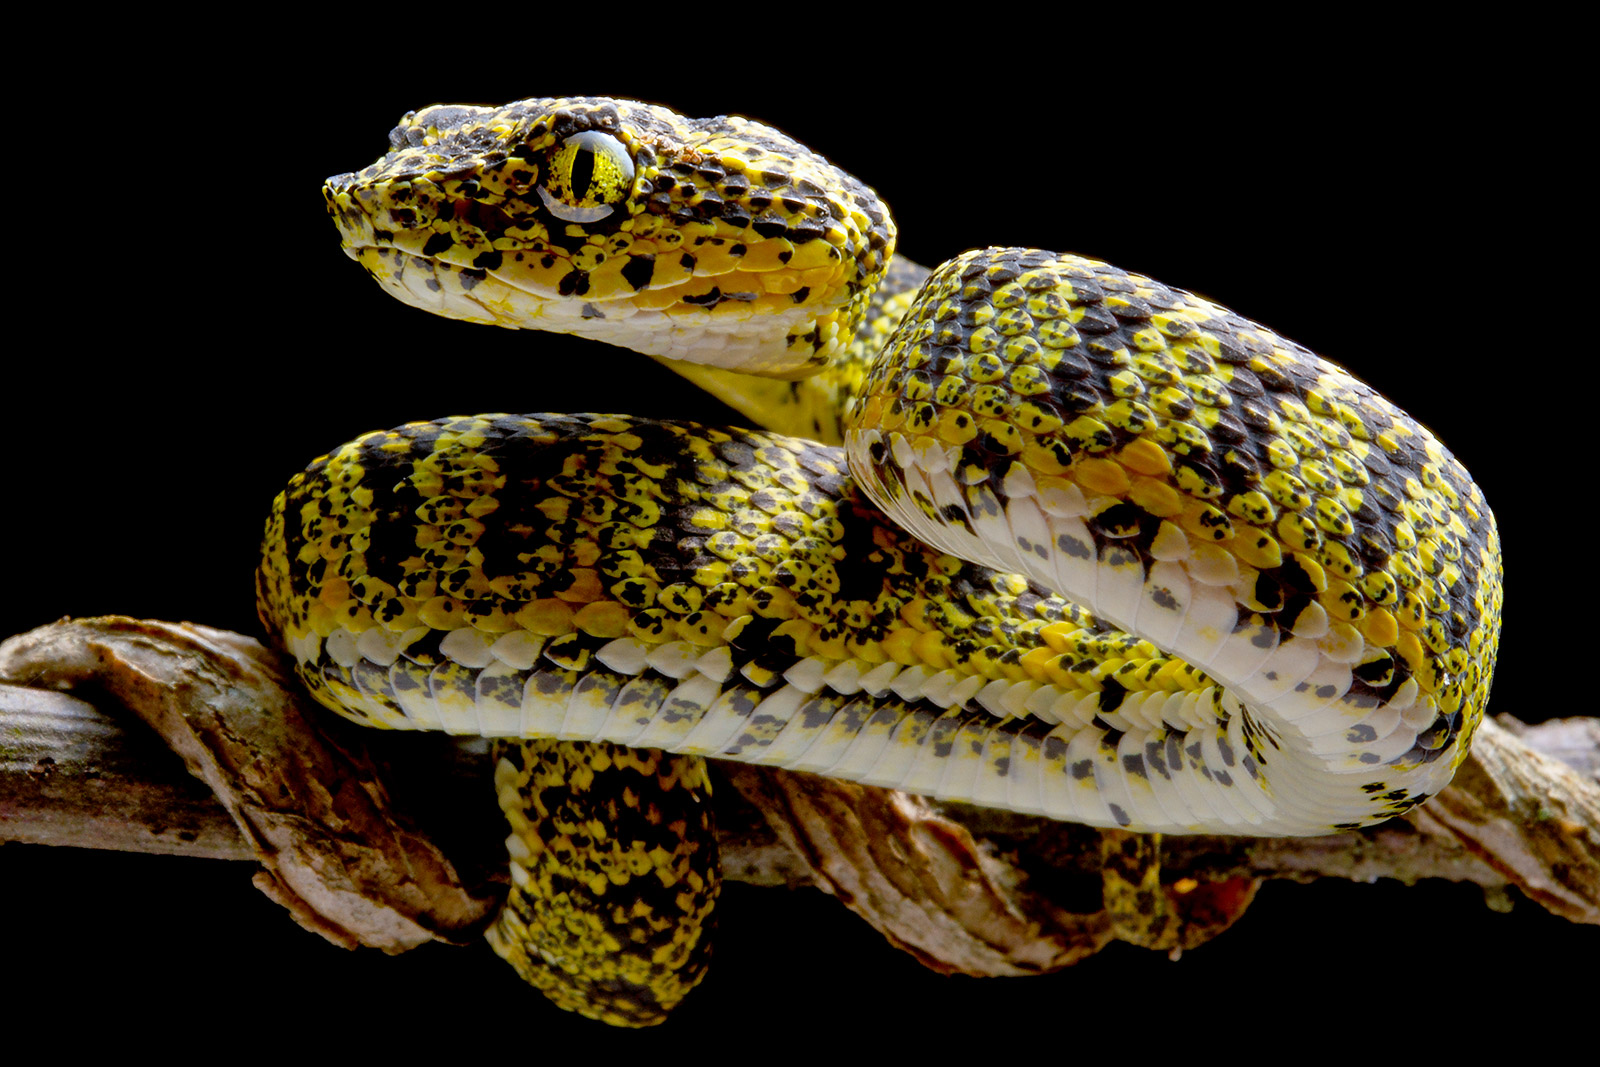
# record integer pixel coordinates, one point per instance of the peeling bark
(390, 840)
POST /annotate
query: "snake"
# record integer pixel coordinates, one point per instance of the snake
(1026, 531)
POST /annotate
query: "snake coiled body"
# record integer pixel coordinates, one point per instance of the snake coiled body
(1221, 585)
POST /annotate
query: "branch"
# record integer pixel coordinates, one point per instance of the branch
(390, 839)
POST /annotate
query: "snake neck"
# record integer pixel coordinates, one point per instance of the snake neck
(816, 407)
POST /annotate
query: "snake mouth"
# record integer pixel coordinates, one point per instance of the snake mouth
(761, 306)
(717, 336)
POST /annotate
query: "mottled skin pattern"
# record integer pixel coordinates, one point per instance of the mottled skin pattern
(1202, 481)
(1264, 521)
(613, 876)
(700, 589)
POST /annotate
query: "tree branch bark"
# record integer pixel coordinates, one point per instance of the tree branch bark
(389, 840)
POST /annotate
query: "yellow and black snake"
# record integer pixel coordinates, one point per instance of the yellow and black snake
(1233, 588)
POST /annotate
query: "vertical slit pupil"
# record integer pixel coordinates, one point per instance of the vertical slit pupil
(582, 174)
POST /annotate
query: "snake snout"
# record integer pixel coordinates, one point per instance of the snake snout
(338, 183)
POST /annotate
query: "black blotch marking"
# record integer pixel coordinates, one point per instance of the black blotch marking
(1074, 547)
(639, 270)
(573, 283)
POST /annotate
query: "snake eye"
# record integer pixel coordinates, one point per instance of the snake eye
(588, 175)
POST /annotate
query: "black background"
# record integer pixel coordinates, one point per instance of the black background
(189, 335)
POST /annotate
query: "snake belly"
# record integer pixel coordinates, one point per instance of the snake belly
(1228, 588)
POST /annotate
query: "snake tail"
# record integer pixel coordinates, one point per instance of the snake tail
(614, 875)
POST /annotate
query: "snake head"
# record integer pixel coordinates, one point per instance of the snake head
(718, 241)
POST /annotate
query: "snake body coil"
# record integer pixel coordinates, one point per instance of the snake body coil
(1234, 589)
